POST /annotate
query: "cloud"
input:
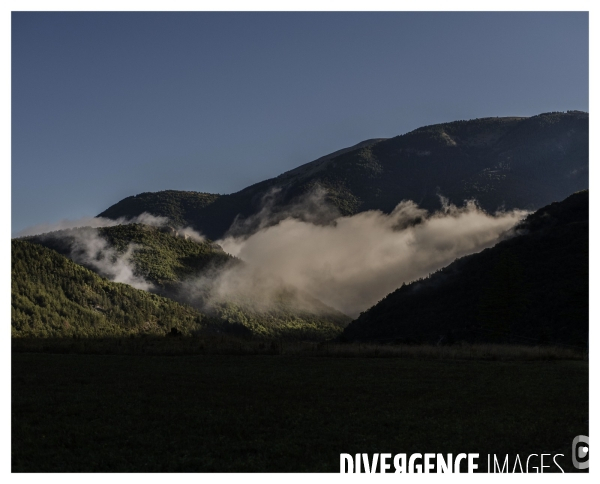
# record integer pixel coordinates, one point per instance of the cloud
(66, 224)
(310, 207)
(350, 263)
(95, 222)
(88, 248)
(307, 252)
(190, 233)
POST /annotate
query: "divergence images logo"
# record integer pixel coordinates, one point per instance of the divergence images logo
(581, 452)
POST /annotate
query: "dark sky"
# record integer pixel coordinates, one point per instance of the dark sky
(107, 105)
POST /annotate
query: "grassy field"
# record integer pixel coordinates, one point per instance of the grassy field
(229, 345)
(267, 413)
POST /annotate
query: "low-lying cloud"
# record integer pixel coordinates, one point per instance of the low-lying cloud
(309, 250)
(310, 207)
(94, 222)
(352, 262)
(90, 249)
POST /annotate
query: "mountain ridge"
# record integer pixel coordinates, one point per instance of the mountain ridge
(502, 162)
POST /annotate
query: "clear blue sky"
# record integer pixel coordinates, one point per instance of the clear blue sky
(107, 105)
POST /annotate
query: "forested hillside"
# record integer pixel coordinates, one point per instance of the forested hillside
(532, 288)
(53, 296)
(160, 255)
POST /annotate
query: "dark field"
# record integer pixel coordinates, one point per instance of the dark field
(119, 413)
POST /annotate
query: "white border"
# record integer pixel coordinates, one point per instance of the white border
(290, 5)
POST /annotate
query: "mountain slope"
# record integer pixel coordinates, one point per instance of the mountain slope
(501, 162)
(53, 296)
(531, 288)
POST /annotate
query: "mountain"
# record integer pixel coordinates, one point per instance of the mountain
(513, 162)
(531, 288)
(53, 296)
(187, 270)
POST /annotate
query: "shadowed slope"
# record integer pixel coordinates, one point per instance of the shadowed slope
(532, 288)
